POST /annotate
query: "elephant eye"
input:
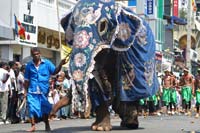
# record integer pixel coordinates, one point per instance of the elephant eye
(103, 26)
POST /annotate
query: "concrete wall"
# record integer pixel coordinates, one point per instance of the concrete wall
(7, 13)
(47, 14)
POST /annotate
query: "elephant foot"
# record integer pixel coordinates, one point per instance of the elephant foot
(102, 126)
(129, 125)
(102, 122)
(128, 114)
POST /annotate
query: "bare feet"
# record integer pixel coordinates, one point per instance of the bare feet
(63, 102)
(32, 129)
(52, 115)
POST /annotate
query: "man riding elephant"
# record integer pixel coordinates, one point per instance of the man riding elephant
(112, 61)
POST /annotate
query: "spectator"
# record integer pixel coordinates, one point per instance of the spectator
(67, 86)
(13, 95)
(4, 79)
(20, 84)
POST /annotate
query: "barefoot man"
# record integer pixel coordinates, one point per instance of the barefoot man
(197, 92)
(186, 90)
(166, 83)
(173, 95)
(37, 74)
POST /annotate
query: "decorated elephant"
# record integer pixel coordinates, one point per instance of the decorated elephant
(112, 61)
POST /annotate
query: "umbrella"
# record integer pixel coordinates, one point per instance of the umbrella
(26, 59)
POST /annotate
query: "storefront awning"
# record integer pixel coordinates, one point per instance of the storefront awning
(6, 32)
(175, 20)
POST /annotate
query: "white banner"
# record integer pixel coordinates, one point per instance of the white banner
(28, 19)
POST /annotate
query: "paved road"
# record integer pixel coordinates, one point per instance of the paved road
(151, 124)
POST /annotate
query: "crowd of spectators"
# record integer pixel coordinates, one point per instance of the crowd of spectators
(13, 108)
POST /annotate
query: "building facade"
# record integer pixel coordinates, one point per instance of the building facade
(40, 21)
(169, 24)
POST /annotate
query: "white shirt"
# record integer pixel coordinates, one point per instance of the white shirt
(8, 84)
(20, 83)
(12, 76)
(50, 97)
(3, 86)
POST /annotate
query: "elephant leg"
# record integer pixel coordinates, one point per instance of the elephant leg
(128, 114)
(102, 122)
(61, 103)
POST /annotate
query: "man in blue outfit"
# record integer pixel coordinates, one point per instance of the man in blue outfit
(37, 74)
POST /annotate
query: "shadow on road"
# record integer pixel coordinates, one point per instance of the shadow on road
(37, 131)
(86, 129)
(191, 131)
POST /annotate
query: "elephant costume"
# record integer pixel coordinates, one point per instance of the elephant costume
(112, 61)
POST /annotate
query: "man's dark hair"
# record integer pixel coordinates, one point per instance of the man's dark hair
(2, 64)
(23, 67)
(33, 49)
(11, 63)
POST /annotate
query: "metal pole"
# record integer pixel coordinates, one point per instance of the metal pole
(59, 33)
(188, 62)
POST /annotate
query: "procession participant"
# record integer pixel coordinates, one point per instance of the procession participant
(186, 84)
(197, 92)
(37, 75)
(166, 83)
(173, 95)
(178, 96)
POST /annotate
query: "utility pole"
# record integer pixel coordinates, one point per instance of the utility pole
(188, 62)
(58, 18)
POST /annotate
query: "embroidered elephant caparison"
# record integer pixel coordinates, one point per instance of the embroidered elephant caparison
(112, 62)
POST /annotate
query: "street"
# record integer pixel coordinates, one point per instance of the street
(150, 124)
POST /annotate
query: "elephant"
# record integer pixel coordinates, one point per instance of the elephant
(112, 62)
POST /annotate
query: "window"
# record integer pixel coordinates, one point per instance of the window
(64, 5)
(48, 1)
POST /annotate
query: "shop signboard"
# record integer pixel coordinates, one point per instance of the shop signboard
(175, 9)
(27, 20)
(150, 8)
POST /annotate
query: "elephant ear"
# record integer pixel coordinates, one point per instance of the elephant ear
(129, 27)
(67, 27)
